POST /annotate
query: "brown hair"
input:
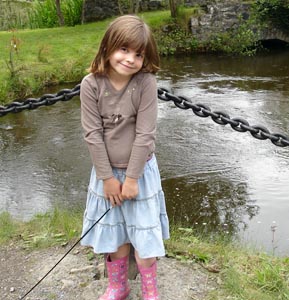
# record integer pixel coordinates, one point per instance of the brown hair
(127, 31)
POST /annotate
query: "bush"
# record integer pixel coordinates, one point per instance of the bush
(44, 14)
(273, 11)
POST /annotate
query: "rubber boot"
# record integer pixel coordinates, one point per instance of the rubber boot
(149, 282)
(118, 287)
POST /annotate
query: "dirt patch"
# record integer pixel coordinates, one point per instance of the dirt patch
(79, 276)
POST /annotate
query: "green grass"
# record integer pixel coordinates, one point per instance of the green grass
(244, 274)
(54, 227)
(47, 56)
(7, 227)
(52, 56)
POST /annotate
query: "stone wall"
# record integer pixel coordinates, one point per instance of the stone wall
(95, 10)
(218, 17)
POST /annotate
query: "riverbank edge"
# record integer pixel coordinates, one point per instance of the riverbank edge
(239, 272)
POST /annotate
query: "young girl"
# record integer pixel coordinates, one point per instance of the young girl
(119, 116)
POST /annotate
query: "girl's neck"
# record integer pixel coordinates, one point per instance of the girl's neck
(118, 81)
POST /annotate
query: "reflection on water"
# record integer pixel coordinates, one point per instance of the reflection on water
(215, 179)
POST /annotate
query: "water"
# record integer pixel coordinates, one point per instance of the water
(215, 179)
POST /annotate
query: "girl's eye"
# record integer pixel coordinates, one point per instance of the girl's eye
(124, 49)
(140, 55)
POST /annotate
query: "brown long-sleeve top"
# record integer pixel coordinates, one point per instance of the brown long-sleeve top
(119, 125)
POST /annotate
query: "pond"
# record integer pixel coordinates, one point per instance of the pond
(215, 179)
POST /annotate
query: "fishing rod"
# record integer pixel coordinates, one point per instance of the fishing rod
(23, 297)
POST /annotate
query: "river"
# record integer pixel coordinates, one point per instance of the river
(215, 179)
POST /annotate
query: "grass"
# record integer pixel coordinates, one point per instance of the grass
(7, 227)
(55, 227)
(242, 274)
(45, 57)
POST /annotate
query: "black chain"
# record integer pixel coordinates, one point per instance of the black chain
(45, 100)
(238, 124)
(257, 131)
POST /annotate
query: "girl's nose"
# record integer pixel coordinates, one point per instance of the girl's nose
(130, 58)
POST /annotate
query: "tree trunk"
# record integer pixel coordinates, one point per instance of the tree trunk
(59, 13)
(173, 8)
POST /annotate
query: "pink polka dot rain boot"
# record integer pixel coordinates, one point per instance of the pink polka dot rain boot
(118, 287)
(149, 282)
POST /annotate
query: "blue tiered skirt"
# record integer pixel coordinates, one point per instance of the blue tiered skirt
(143, 222)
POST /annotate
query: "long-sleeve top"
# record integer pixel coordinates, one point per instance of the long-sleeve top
(119, 125)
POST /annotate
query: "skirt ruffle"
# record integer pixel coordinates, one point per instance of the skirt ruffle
(143, 222)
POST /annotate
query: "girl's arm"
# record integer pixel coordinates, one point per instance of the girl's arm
(92, 126)
(93, 134)
(143, 146)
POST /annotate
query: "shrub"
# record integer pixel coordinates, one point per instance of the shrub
(273, 11)
(44, 14)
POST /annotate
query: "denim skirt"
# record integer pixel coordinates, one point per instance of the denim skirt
(142, 222)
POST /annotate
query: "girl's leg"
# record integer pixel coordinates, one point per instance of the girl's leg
(122, 251)
(148, 272)
(117, 270)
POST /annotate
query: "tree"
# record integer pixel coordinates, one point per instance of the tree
(59, 13)
(173, 8)
(174, 4)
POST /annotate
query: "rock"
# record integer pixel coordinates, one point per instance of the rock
(84, 269)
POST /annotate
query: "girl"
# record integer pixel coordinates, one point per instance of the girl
(119, 116)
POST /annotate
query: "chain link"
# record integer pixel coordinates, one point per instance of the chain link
(238, 124)
(44, 100)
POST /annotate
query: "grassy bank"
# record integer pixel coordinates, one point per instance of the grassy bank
(241, 273)
(33, 59)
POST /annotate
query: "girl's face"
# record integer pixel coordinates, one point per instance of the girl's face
(126, 62)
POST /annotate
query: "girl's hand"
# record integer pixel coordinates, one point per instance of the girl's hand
(112, 191)
(129, 188)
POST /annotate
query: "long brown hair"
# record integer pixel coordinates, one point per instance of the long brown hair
(127, 31)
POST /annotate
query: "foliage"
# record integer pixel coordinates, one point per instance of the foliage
(7, 227)
(271, 276)
(243, 273)
(44, 13)
(173, 39)
(14, 14)
(273, 11)
(72, 11)
(184, 14)
(55, 227)
(241, 41)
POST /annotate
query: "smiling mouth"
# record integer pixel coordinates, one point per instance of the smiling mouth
(126, 66)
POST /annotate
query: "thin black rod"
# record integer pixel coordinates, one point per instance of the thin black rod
(64, 256)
